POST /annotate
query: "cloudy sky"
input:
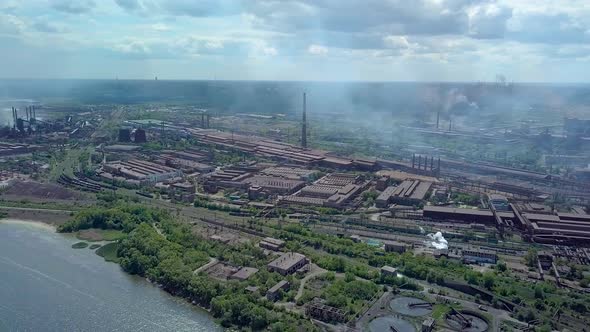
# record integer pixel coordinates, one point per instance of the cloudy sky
(331, 40)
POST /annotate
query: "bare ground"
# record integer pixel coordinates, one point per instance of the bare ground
(53, 217)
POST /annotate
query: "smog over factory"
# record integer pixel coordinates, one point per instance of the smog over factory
(295, 165)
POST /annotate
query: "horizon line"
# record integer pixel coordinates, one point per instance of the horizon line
(290, 81)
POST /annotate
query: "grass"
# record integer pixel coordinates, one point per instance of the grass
(440, 310)
(95, 246)
(80, 245)
(95, 234)
(109, 252)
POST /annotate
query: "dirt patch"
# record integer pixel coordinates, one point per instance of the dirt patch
(90, 235)
(52, 217)
(40, 190)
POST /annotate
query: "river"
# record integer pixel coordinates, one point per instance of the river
(45, 285)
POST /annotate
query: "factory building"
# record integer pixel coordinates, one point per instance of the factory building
(393, 246)
(576, 127)
(388, 271)
(228, 177)
(383, 200)
(273, 293)
(188, 166)
(409, 192)
(124, 135)
(140, 170)
(271, 244)
(382, 183)
(499, 202)
(452, 214)
(333, 190)
(140, 136)
(292, 173)
(479, 256)
(280, 151)
(274, 185)
(7, 149)
(243, 274)
(288, 263)
(541, 224)
(192, 155)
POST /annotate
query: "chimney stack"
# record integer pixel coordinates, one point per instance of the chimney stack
(437, 118)
(414, 160)
(304, 124)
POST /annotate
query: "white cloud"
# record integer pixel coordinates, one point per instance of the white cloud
(161, 27)
(214, 44)
(317, 49)
(11, 25)
(479, 35)
(396, 42)
(135, 47)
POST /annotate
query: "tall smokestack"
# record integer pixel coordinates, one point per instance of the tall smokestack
(437, 118)
(414, 160)
(304, 124)
(419, 161)
(450, 123)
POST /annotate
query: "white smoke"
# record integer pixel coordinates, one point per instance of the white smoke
(437, 240)
(422, 229)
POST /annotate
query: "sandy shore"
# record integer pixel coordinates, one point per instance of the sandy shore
(32, 223)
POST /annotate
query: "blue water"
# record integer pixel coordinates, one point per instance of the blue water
(45, 285)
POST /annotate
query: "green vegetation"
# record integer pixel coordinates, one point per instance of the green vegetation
(80, 245)
(167, 252)
(169, 256)
(466, 199)
(440, 310)
(109, 252)
(120, 217)
(349, 294)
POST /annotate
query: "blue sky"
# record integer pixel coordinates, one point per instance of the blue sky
(327, 40)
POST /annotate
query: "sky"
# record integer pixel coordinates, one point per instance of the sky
(303, 40)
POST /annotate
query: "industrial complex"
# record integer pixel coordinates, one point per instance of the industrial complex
(364, 217)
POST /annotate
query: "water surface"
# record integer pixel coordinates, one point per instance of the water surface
(45, 285)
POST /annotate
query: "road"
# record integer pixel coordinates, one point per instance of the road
(315, 271)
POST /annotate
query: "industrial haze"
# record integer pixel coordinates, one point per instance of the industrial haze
(299, 206)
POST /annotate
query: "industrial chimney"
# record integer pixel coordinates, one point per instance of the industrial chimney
(304, 125)
(437, 118)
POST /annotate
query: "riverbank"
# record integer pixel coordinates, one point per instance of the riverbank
(46, 216)
(32, 223)
(56, 288)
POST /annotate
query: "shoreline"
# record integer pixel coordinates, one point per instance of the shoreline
(34, 223)
(45, 216)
